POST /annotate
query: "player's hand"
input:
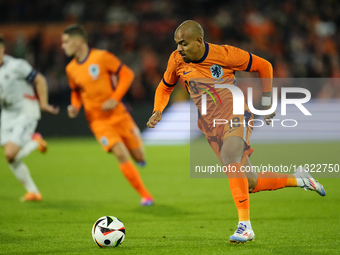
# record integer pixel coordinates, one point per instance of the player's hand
(156, 117)
(266, 105)
(109, 104)
(267, 118)
(72, 111)
(49, 109)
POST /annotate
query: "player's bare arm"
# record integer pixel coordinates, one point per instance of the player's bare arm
(267, 96)
(154, 119)
(42, 91)
(109, 104)
(72, 111)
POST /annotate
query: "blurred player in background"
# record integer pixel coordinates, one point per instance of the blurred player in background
(196, 61)
(90, 76)
(20, 114)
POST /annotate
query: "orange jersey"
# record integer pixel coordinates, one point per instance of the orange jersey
(218, 65)
(91, 83)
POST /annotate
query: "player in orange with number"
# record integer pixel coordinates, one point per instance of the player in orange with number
(204, 66)
(90, 76)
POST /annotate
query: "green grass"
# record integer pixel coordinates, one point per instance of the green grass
(81, 183)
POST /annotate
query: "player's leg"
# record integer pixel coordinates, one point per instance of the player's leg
(130, 172)
(267, 180)
(21, 172)
(138, 156)
(113, 139)
(11, 151)
(273, 181)
(251, 175)
(15, 139)
(22, 134)
(133, 142)
(231, 154)
(137, 152)
(26, 149)
(37, 143)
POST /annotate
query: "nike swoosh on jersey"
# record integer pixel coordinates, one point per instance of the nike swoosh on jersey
(186, 72)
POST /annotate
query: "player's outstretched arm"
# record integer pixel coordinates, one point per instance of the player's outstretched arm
(266, 104)
(265, 71)
(154, 119)
(42, 91)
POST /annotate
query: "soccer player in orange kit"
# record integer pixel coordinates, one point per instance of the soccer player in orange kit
(201, 65)
(90, 78)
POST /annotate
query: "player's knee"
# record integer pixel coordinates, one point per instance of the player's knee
(120, 152)
(10, 156)
(232, 150)
(139, 158)
(252, 182)
(121, 156)
(230, 159)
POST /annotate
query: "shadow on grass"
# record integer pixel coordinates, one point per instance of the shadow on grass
(163, 210)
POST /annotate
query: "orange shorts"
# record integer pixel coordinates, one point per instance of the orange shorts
(108, 132)
(237, 126)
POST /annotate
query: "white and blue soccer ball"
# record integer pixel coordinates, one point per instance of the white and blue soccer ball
(108, 231)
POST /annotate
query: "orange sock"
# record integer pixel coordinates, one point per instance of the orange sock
(132, 175)
(273, 181)
(238, 184)
(291, 181)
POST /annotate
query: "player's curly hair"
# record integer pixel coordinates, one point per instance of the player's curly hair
(76, 29)
(2, 39)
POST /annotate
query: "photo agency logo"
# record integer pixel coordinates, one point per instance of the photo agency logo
(238, 104)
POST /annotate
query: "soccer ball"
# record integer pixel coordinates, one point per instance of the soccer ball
(108, 231)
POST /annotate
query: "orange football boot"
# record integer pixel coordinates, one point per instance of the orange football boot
(30, 196)
(42, 143)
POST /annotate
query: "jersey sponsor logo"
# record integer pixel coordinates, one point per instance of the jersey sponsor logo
(104, 141)
(94, 71)
(216, 71)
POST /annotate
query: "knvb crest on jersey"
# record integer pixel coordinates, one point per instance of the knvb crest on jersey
(94, 71)
(216, 71)
(104, 141)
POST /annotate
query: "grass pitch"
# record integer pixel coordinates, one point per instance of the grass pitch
(80, 183)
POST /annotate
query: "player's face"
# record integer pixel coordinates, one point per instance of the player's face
(69, 44)
(2, 52)
(188, 46)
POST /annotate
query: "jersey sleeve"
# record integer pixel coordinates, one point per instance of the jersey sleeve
(25, 71)
(265, 70)
(125, 79)
(240, 60)
(75, 93)
(124, 73)
(111, 62)
(170, 76)
(237, 59)
(166, 86)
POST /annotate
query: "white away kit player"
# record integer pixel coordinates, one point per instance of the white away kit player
(20, 112)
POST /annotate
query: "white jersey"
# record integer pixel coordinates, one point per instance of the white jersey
(17, 96)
